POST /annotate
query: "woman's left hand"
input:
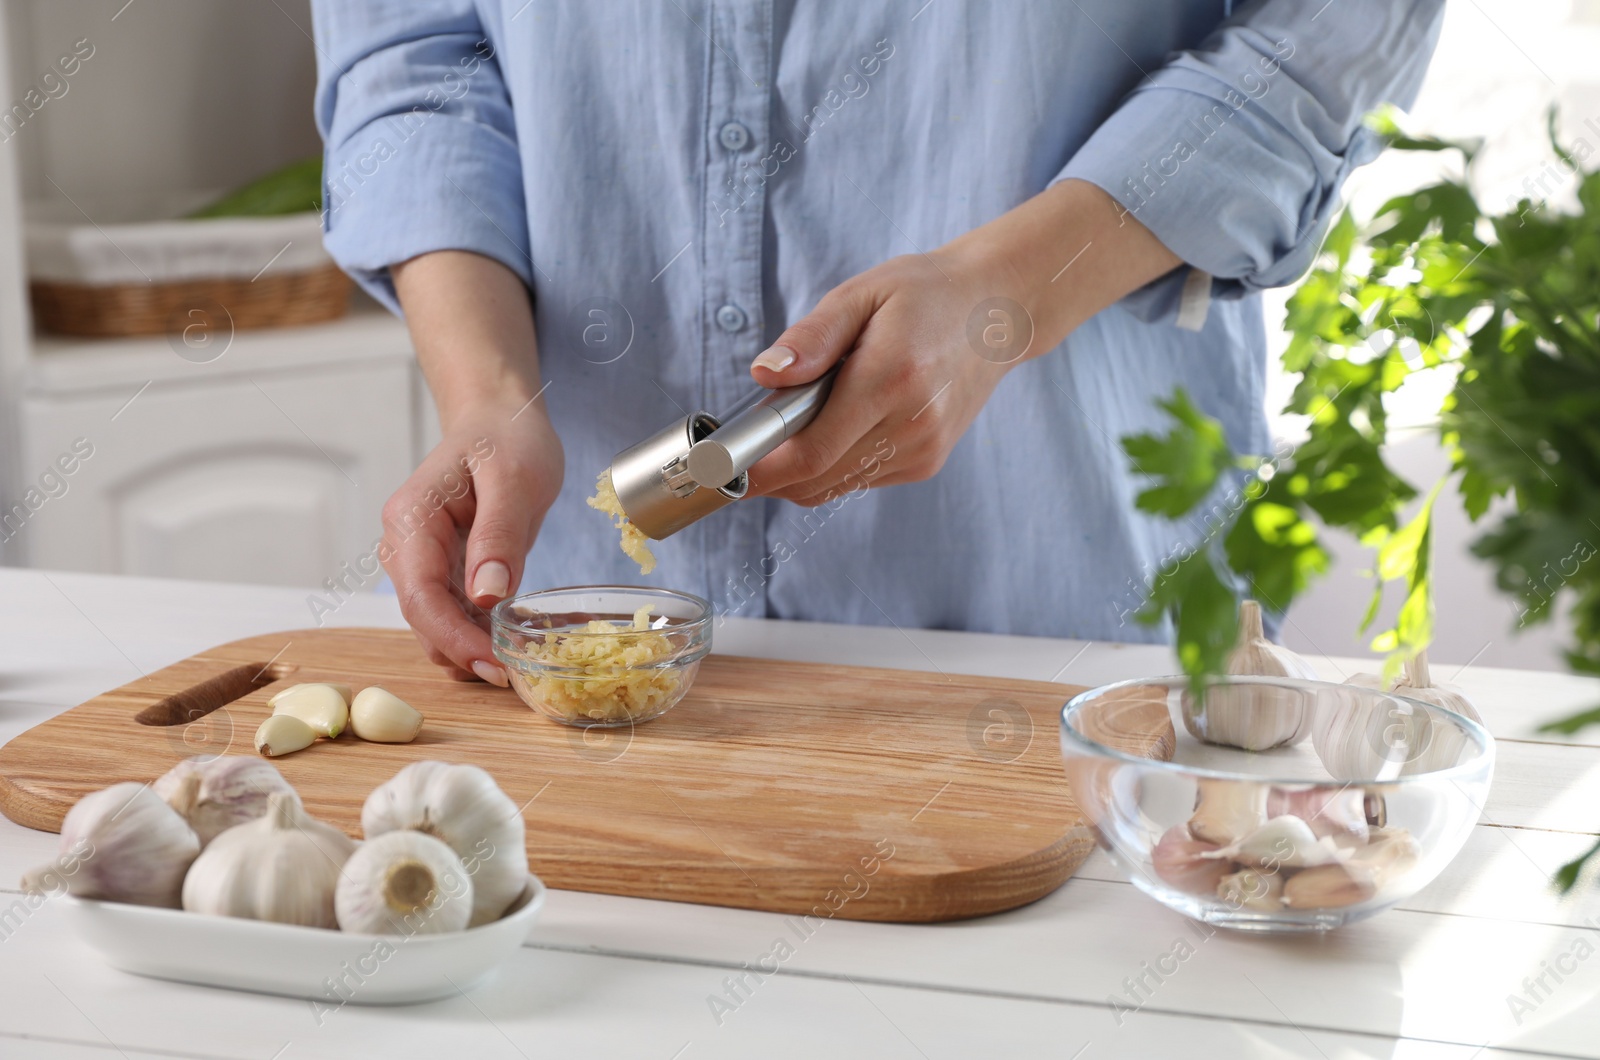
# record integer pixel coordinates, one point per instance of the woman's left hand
(929, 336)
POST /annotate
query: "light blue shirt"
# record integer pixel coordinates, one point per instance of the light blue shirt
(678, 180)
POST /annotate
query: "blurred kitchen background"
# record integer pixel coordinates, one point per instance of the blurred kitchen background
(226, 453)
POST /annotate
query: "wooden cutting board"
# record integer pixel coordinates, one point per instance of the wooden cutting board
(792, 787)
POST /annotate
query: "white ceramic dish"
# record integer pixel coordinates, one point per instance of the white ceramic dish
(331, 968)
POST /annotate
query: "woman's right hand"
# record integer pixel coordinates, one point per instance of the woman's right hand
(456, 533)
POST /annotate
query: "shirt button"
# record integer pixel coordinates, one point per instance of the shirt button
(731, 318)
(733, 136)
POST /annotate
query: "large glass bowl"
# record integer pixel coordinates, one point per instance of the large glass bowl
(575, 655)
(1287, 805)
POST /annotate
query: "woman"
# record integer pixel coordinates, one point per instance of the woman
(1023, 222)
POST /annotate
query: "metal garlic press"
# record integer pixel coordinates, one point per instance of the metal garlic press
(698, 464)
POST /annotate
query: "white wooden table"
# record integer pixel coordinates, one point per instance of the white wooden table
(608, 976)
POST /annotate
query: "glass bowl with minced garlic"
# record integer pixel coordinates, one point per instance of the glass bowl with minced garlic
(602, 656)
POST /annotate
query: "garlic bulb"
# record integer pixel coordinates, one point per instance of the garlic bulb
(343, 690)
(1253, 718)
(383, 717)
(323, 707)
(1228, 810)
(284, 734)
(124, 844)
(281, 867)
(1281, 843)
(1252, 889)
(463, 806)
(1417, 683)
(403, 883)
(1177, 860)
(1370, 738)
(1350, 736)
(232, 789)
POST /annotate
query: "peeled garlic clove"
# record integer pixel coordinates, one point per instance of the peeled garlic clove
(284, 734)
(1281, 843)
(1177, 860)
(1252, 889)
(282, 867)
(383, 717)
(124, 844)
(272, 700)
(1340, 812)
(463, 806)
(1392, 853)
(343, 690)
(403, 883)
(1328, 887)
(320, 706)
(232, 789)
(1228, 810)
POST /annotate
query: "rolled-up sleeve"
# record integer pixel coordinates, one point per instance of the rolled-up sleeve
(421, 150)
(1233, 154)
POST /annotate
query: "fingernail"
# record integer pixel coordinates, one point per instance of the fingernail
(775, 359)
(490, 672)
(493, 579)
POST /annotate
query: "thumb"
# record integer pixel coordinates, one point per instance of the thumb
(812, 344)
(504, 524)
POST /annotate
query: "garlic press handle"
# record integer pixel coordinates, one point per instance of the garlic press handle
(756, 430)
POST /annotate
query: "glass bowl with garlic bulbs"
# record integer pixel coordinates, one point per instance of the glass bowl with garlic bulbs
(1287, 804)
(602, 656)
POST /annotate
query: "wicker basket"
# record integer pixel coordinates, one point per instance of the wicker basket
(138, 277)
(271, 301)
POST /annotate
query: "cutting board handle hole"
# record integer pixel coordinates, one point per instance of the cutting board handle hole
(197, 701)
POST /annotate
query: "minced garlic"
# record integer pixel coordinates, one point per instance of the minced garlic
(634, 543)
(615, 683)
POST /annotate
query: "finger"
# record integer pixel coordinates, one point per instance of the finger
(452, 671)
(863, 466)
(849, 413)
(437, 616)
(811, 345)
(809, 456)
(854, 486)
(836, 496)
(504, 525)
(420, 570)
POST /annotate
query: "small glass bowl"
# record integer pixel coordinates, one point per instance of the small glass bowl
(1287, 805)
(567, 668)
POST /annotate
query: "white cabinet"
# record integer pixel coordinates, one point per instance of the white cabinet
(195, 521)
(270, 479)
(272, 462)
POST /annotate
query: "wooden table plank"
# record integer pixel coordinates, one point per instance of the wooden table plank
(1410, 974)
(554, 1003)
